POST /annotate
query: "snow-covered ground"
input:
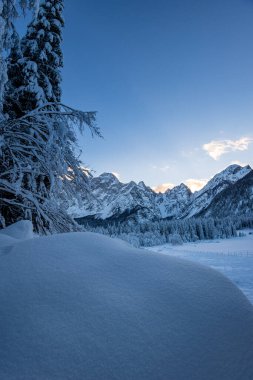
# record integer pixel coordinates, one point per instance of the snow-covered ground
(232, 257)
(84, 306)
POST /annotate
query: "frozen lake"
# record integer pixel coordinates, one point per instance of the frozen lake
(232, 257)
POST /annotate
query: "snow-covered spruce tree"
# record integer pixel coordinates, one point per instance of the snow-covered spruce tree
(11, 102)
(37, 144)
(22, 94)
(9, 11)
(38, 64)
(42, 44)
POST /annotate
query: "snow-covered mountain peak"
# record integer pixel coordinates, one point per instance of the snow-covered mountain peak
(202, 199)
(236, 199)
(129, 186)
(182, 188)
(229, 175)
(173, 202)
(114, 199)
(144, 187)
(108, 178)
(233, 172)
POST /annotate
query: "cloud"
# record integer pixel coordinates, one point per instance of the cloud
(196, 184)
(193, 184)
(217, 148)
(163, 187)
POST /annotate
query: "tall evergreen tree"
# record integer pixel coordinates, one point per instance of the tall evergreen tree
(38, 140)
(42, 44)
(38, 63)
(22, 92)
(8, 12)
(11, 106)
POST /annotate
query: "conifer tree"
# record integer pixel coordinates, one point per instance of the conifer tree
(42, 44)
(38, 63)
(38, 140)
(11, 105)
(22, 91)
(9, 11)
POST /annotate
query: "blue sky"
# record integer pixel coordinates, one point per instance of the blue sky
(167, 78)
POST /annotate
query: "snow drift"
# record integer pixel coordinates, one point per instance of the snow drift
(84, 306)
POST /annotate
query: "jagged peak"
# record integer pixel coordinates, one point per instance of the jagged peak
(183, 186)
(142, 184)
(179, 188)
(130, 185)
(233, 169)
(232, 174)
(108, 177)
(114, 197)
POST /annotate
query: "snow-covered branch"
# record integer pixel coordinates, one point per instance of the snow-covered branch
(62, 111)
(37, 156)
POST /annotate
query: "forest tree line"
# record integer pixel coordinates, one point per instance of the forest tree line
(176, 232)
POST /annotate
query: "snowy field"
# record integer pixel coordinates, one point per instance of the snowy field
(85, 306)
(232, 257)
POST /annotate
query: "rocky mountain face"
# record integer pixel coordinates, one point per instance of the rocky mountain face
(109, 199)
(113, 199)
(236, 199)
(173, 203)
(221, 181)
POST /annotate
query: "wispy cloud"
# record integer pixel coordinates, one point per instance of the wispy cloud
(217, 148)
(163, 187)
(196, 184)
(193, 184)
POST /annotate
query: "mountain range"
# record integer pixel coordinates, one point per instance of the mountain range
(228, 193)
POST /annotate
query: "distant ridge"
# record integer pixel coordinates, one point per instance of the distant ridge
(228, 193)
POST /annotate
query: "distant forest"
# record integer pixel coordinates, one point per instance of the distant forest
(176, 232)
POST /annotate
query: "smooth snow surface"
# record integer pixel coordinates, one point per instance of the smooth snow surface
(21, 230)
(232, 257)
(13, 234)
(83, 306)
